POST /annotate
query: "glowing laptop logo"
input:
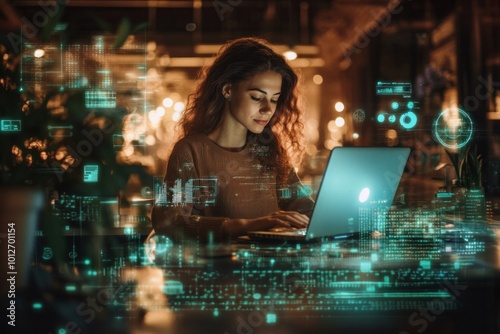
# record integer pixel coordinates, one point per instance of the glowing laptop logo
(364, 194)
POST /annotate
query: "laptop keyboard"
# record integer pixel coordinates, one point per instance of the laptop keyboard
(301, 231)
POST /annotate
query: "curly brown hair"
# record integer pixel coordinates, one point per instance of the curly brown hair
(239, 60)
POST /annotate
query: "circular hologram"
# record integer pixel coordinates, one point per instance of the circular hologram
(408, 120)
(453, 128)
(359, 115)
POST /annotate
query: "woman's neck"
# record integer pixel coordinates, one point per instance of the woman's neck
(228, 139)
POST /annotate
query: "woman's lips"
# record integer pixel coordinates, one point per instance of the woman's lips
(260, 122)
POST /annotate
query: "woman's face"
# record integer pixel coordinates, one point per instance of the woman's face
(253, 101)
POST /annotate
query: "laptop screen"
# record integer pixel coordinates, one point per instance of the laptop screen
(357, 189)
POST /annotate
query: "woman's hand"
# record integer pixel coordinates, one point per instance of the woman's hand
(235, 227)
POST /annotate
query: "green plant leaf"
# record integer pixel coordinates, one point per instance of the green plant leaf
(122, 32)
(455, 162)
(49, 28)
(103, 25)
(139, 27)
(468, 166)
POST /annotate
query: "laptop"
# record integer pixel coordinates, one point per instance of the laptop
(356, 192)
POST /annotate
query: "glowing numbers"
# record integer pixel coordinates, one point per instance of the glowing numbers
(392, 118)
(47, 253)
(453, 128)
(408, 120)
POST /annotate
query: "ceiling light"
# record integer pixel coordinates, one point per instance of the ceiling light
(290, 55)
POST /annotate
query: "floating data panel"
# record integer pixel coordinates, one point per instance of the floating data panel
(90, 173)
(60, 131)
(159, 190)
(100, 99)
(10, 125)
(394, 88)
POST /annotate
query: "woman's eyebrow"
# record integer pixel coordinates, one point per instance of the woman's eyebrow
(262, 91)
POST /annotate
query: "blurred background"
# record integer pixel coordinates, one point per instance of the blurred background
(102, 84)
(91, 92)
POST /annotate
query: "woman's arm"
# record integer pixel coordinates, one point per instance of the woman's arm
(179, 224)
(172, 222)
(295, 212)
(178, 219)
(295, 196)
(236, 227)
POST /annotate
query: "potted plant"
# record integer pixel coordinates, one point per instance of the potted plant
(468, 184)
(21, 195)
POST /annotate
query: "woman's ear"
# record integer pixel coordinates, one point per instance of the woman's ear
(226, 91)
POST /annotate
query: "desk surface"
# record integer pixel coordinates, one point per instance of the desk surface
(423, 275)
(432, 279)
(383, 285)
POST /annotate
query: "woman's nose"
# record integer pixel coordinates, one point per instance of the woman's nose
(266, 108)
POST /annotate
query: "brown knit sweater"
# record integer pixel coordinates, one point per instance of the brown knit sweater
(204, 179)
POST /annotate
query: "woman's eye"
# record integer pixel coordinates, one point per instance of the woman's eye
(274, 101)
(256, 98)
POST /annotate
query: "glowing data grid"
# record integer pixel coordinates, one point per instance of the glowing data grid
(90, 173)
(10, 125)
(159, 190)
(100, 99)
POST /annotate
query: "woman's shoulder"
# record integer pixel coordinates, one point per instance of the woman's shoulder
(190, 144)
(192, 141)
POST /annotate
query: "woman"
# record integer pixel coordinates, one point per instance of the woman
(231, 172)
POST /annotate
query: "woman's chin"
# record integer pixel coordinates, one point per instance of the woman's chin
(256, 131)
